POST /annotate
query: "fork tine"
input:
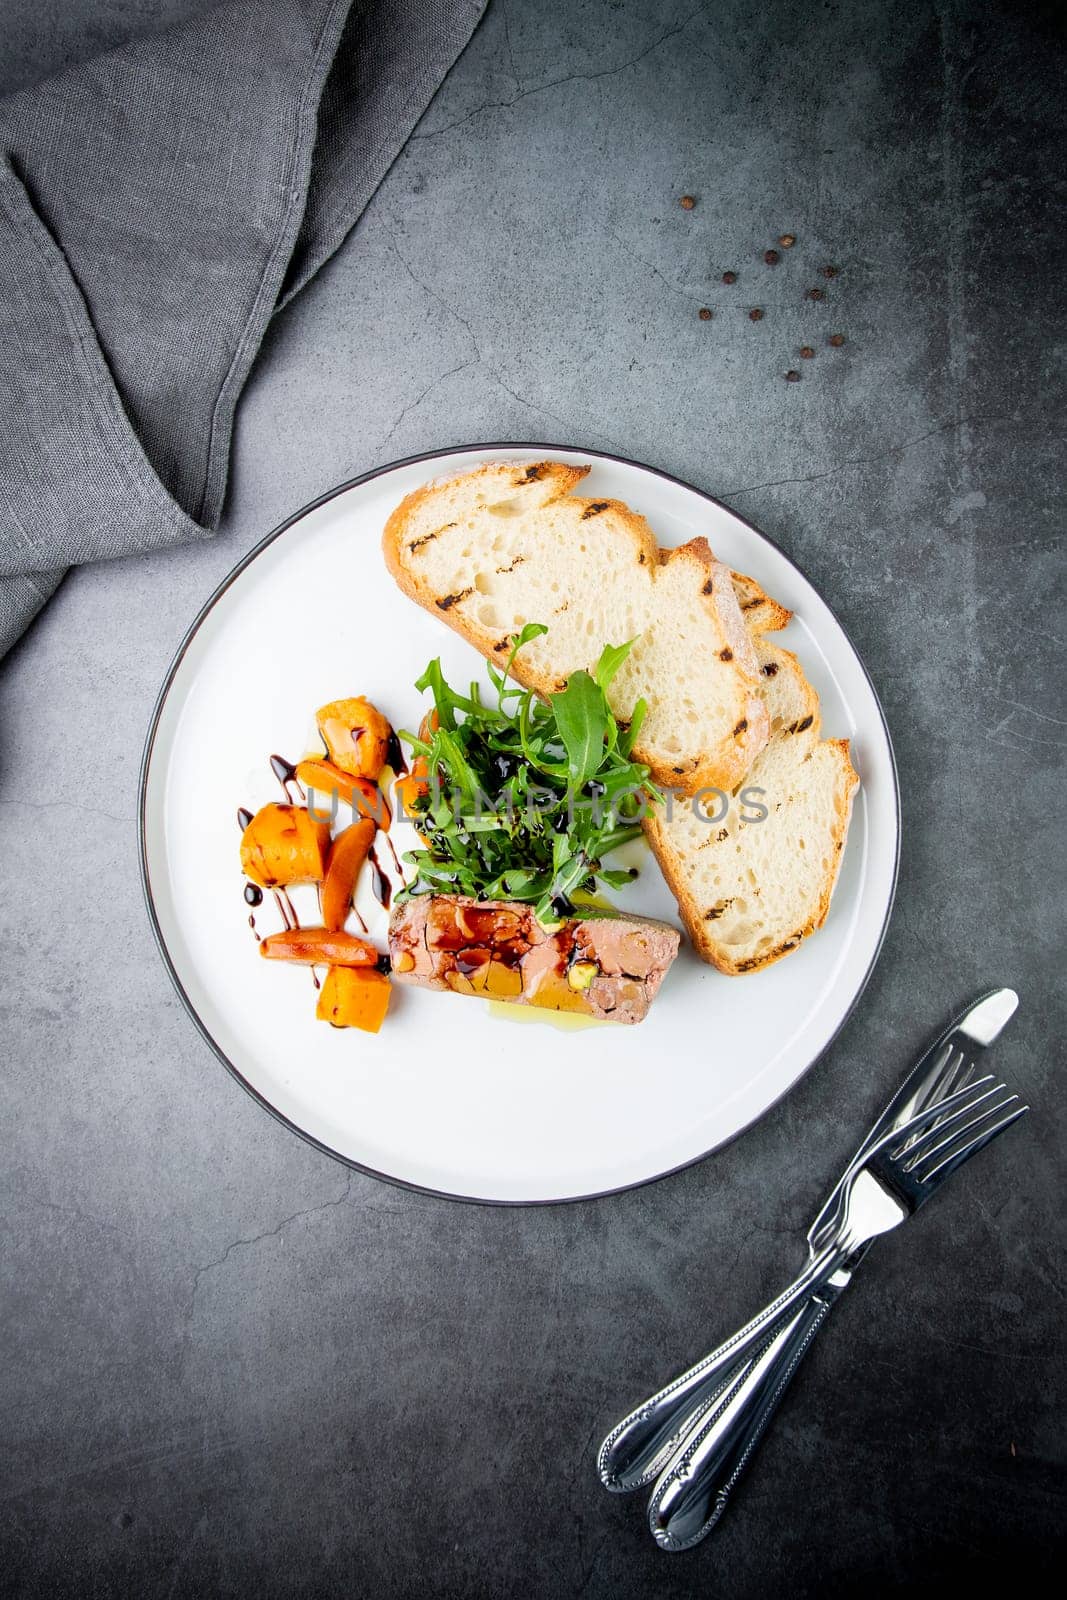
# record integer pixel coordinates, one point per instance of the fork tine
(956, 1158)
(948, 1133)
(933, 1115)
(930, 1139)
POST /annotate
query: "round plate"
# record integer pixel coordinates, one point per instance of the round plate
(451, 1096)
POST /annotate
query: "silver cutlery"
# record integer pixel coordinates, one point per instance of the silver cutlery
(696, 1435)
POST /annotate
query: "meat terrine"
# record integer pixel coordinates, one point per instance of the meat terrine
(604, 966)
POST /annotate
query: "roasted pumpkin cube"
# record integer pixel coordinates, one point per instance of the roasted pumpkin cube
(283, 845)
(354, 997)
(356, 735)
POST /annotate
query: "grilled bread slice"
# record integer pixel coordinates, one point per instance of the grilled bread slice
(511, 543)
(750, 890)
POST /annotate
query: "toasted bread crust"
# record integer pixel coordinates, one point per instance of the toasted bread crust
(761, 613)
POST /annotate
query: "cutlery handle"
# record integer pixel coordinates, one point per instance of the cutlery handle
(638, 1448)
(693, 1490)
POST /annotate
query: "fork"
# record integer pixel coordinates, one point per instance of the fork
(895, 1178)
(639, 1447)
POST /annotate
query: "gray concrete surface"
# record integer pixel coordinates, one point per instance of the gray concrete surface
(230, 1366)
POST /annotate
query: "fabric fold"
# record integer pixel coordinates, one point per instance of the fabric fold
(158, 204)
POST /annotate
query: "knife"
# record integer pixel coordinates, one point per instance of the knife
(639, 1447)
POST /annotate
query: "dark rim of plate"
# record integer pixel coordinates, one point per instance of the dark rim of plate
(475, 450)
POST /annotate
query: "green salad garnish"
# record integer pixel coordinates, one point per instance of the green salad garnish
(528, 796)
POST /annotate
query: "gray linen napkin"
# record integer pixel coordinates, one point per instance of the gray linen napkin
(157, 205)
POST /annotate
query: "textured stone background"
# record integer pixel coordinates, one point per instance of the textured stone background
(232, 1367)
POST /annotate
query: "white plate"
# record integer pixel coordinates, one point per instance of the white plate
(449, 1097)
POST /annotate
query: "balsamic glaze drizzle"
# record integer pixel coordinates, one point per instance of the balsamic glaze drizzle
(380, 884)
(394, 756)
(285, 772)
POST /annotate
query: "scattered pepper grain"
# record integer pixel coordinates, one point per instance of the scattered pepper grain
(687, 202)
(837, 340)
(755, 315)
(771, 257)
(787, 241)
(792, 376)
(729, 277)
(816, 294)
(829, 272)
(704, 314)
(806, 352)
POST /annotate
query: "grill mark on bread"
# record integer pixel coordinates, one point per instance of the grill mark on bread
(726, 655)
(802, 726)
(752, 962)
(709, 587)
(417, 544)
(517, 562)
(741, 726)
(593, 508)
(770, 669)
(533, 474)
(449, 600)
(502, 644)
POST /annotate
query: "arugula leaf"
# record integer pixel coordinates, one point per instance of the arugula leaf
(530, 630)
(582, 719)
(611, 659)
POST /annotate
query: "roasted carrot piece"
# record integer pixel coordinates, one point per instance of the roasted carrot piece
(282, 845)
(365, 798)
(356, 735)
(354, 998)
(319, 947)
(347, 855)
(413, 786)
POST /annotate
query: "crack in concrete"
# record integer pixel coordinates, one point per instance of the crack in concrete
(555, 83)
(865, 461)
(421, 396)
(65, 805)
(446, 305)
(268, 1233)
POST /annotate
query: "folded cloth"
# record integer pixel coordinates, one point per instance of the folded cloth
(157, 205)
